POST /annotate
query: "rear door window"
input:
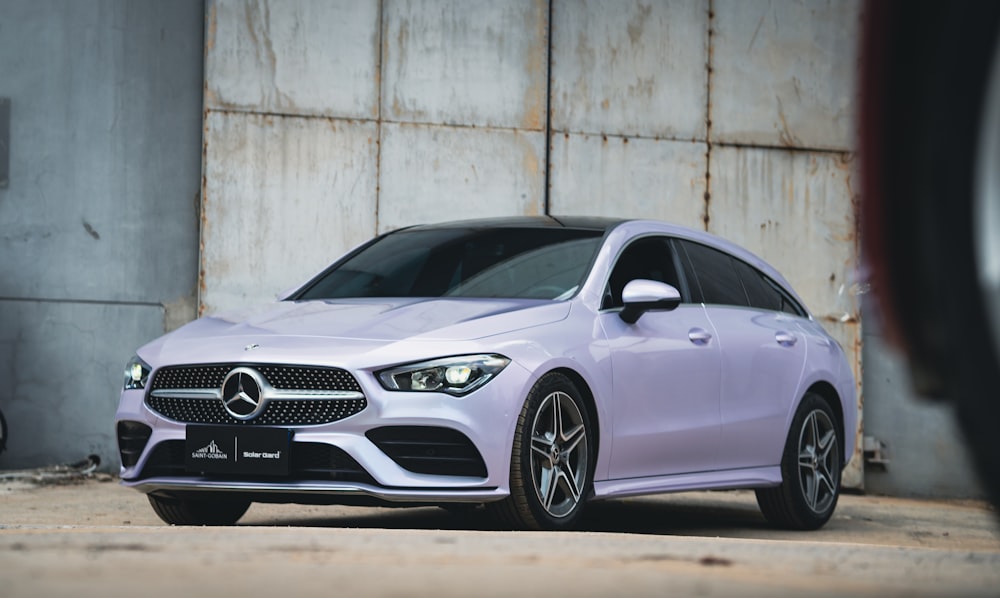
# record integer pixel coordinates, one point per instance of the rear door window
(760, 294)
(716, 275)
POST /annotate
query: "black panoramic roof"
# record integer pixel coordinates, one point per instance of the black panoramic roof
(575, 222)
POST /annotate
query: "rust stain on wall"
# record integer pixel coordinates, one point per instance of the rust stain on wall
(537, 64)
(211, 28)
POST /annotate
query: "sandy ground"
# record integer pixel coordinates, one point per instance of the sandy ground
(95, 538)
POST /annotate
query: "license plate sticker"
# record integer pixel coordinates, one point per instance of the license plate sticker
(228, 450)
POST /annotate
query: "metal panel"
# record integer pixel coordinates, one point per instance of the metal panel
(283, 197)
(106, 167)
(469, 62)
(634, 178)
(796, 211)
(458, 172)
(315, 57)
(59, 398)
(630, 68)
(783, 72)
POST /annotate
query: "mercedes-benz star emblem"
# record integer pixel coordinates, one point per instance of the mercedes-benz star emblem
(241, 393)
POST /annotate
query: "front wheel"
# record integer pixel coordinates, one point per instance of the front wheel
(810, 470)
(551, 462)
(189, 511)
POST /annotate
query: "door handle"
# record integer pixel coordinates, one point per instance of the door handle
(785, 339)
(699, 336)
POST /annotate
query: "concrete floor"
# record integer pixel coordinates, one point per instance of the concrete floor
(95, 538)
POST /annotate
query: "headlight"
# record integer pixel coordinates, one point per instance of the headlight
(136, 374)
(453, 375)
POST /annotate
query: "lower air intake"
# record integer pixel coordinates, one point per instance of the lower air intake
(430, 450)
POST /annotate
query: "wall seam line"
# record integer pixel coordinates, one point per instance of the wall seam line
(546, 201)
(708, 119)
(378, 115)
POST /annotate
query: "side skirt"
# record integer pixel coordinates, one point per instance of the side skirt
(757, 477)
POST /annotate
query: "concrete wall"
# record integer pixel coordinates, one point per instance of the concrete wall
(399, 112)
(328, 121)
(98, 226)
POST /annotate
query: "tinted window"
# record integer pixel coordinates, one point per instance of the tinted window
(716, 275)
(539, 263)
(787, 303)
(761, 294)
(650, 258)
(694, 289)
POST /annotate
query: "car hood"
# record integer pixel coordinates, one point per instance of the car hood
(300, 330)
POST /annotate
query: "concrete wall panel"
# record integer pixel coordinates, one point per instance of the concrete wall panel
(772, 200)
(468, 62)
(316, 57)
(458, 173)
(62, 367)
(105, 150)
(283, 197)
(630, 68)
(636, 178)
(783, 73)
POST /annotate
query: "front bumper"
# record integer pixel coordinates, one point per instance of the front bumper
(486, 417)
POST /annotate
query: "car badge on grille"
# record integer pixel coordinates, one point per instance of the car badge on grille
(242, 393)
(251, 347)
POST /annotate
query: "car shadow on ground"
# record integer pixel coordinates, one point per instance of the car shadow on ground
(670, 516)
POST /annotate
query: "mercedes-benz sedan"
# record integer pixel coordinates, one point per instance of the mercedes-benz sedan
(531, 364)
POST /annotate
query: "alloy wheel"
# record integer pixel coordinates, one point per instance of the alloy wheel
(818, 461)
(559, 454)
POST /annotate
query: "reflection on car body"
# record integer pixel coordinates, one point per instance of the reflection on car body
(530, 364)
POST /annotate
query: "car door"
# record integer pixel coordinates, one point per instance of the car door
(763, 354)
(665, 373)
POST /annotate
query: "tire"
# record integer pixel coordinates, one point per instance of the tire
(187, 511)
(551, 466)
(810, 470)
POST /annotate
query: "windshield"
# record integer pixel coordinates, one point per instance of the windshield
(535, 263)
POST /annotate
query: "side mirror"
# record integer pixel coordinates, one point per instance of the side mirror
(640, 296)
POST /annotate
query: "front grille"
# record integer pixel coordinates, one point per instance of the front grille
(309, 461)
(202, 376)
(430, 450)
(285, 411)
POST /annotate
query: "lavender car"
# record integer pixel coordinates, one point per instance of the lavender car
(528, 364)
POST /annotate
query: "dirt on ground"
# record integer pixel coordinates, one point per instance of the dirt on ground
(88, 536)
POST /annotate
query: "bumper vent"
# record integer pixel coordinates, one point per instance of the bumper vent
(132, 439)
(430, 450)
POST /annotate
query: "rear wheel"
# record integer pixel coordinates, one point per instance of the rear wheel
(810, 470)
(550, 470)
(189, 511)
